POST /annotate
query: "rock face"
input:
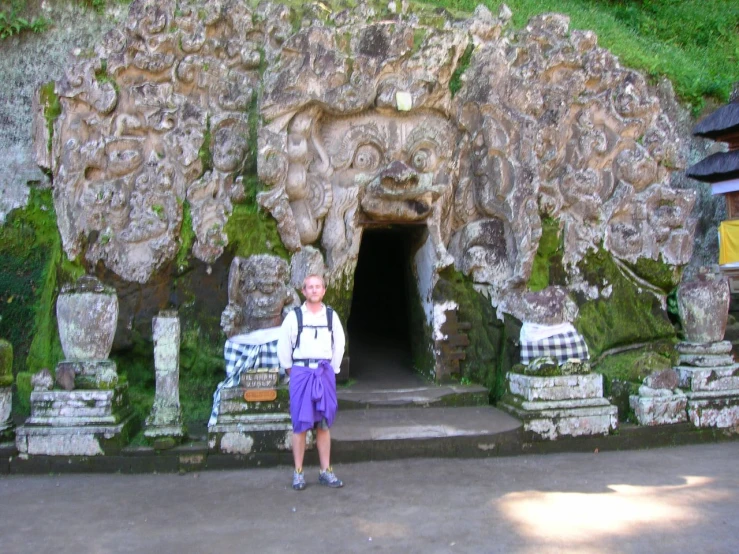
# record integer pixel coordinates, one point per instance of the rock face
(362, 122)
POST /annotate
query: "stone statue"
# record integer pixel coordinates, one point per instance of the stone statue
(258, 292)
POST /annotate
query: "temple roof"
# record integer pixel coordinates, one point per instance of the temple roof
(720, 166)
(721, 123)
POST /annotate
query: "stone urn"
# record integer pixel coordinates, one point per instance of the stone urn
(703, 304)
(87, 314)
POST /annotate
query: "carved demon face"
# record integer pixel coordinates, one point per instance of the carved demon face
(401, 163)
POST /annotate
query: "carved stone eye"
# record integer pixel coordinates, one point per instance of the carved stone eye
(424, 160)
(367, 158)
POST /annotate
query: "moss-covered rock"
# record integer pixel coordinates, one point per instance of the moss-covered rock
(6, 363)
(491, 352)
(658, 273)
(628, 315)
(547, 267)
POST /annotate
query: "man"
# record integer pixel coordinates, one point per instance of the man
(311, 350)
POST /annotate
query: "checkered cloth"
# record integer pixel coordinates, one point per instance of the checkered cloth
(560, 347)
(241, 358)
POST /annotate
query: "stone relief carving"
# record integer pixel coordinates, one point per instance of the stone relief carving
(359, 127)
(258, 291)
(136, 116)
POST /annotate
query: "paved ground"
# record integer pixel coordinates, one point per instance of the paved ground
(683, 499)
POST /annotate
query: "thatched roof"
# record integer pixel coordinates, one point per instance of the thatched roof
(721, 123)
(721, 166)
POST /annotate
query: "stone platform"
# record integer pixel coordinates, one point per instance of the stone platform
(711, 378)
(77, 423)
(243, 427)
(557, 406)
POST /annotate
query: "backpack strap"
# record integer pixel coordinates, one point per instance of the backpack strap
(299, 316)
(329, 323)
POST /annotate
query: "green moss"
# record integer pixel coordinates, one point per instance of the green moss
(547, 266)
(186, 238)
(31, 266)
(251, 231)
(658, 273)
(52, 108)
(487, 335)
(339, 297)
(205, 154)
(455, 83)
(629, 315)
(419, 35)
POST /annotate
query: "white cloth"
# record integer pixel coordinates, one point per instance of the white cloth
(533, 332)
(260, 336)
(315, 340)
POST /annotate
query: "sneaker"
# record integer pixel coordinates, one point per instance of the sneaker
(298, 480)
(329, 479)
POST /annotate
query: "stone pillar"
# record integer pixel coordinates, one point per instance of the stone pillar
(164, 424)
(6, 391)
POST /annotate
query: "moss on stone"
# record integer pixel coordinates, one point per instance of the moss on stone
(547, 267)
(633, 366)
(52, 108)
(487, 335)
(455, 83)
(628, 315)
(339, 297)
(186, 238)
(658, 273)
(251, 231)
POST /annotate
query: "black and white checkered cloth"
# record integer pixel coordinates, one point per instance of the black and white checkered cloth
(241, 358)
(560, 347)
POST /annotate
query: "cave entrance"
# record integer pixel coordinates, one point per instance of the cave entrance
(385, 308)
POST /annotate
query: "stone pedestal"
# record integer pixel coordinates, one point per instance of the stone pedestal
(164, 424)
(568, 405)
(711, 382)
(663, 409)
(253, 417)
(76, 423)
(95, 416)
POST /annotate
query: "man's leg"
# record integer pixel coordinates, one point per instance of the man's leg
(323, 443)
(299, 449)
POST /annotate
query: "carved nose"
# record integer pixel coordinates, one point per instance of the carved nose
(398, 174)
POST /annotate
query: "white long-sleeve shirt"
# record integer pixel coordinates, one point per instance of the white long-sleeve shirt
(315, 342)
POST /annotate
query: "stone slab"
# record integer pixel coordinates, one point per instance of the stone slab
(93, 440)
(564, 387)
(88, 368)
(704, 349)
(245, 439)
(700, 360)
(565, 404)
(568, 422)
(660, 410)
(260, 379)
(699, 379)
(83, 404)
(714, 409)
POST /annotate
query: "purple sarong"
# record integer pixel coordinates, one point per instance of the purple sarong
(312, 396)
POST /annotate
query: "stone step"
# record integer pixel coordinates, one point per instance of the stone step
(357, 398)
(384, 433)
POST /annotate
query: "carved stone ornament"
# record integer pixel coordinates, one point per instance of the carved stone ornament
(258, 292)
(359, 126)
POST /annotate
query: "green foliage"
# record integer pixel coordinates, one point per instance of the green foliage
(13, 23)
(628, 315)
(548, 260)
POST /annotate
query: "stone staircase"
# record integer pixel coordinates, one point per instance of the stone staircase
(420, 421)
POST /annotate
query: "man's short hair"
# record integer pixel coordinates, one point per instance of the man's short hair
(317, 276)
